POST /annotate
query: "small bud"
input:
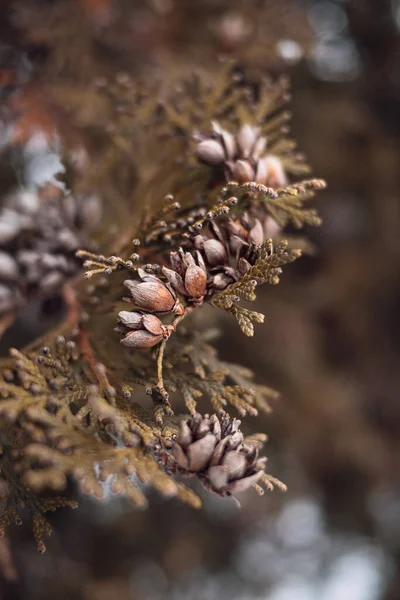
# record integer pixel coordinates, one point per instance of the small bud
(243, 172)
(262, 171)
(229, 143)
(215, 252)
(151, 295)
(195, 281)
(276, 174)
(246, 139)
(211, 152)
(256, 234)
(141, 339)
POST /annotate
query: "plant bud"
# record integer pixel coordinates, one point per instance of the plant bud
(259, 148)
(200, 452)
(175, 280)
(187, 277)
(276, 176)
(153, 324)
(195, 281)
(152, 295)
(131, 319)
(221, 281)
(211, 152)
(229, 143)
(256, 234)
(141, 339)
(243, 265)
(246, 139)
(215, 252)
(243, 172)
(261, 171)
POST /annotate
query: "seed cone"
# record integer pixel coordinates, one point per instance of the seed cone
(231, 248)
(213, 448)
(188, 276)
(243, 156)
(39, 235)
(151, 294)
(141, 330)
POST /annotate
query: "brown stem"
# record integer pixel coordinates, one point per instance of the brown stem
(160, 356)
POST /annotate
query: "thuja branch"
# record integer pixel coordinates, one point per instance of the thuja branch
(67, 405)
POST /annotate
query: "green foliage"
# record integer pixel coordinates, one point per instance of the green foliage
(266, 269)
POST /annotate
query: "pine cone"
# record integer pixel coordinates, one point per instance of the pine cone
(214, 450)
(243, 156)
(39, 235)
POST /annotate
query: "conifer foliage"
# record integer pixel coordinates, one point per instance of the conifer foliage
(217, 194)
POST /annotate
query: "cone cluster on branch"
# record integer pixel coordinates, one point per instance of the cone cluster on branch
(213, 448)
(141, 330)
(39, 235)
(231, 247)
(217, 260)
(243, 156)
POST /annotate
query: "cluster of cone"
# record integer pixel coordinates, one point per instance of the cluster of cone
(213, 448)
(243, 156)
(40, 231)
(217, 258)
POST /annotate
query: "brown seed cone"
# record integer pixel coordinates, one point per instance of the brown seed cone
(39, 235)
(212, 447)
(243, 156)
(141, 330)
(231, 247)
(187, 277)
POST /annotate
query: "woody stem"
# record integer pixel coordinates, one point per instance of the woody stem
(160, 356)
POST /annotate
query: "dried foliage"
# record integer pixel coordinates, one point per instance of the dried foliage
(71, 406)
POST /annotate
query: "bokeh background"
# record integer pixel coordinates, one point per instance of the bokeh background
(331, 342)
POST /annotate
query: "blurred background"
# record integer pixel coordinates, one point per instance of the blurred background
(331, 341)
